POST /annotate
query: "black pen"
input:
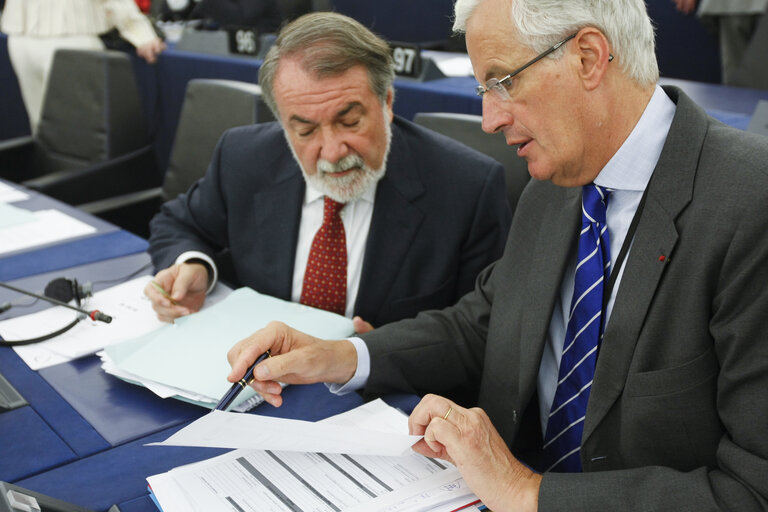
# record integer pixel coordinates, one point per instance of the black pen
(240, 385)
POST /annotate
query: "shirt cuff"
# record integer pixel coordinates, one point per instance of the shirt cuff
(213, 276)
(363, 371)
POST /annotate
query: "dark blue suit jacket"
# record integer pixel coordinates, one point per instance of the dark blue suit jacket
(440, 216)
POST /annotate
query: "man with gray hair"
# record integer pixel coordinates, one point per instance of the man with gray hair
(620, 344)
(339, 205)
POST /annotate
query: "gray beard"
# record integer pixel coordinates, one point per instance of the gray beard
(345, 189)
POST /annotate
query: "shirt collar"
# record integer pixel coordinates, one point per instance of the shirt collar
(632, 165)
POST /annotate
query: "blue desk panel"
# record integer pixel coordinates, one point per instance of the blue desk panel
(69, 254)
(119, 475)
(28, 445)
(118, 411)
(59, 416)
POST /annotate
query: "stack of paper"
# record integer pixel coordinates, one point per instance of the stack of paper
(353, 462)
(188, 359)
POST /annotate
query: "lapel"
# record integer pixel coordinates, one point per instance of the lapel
(670, 191)
(554, 243)
(394, 223)
(277, 213)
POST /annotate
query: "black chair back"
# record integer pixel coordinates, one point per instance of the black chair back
(466, 128)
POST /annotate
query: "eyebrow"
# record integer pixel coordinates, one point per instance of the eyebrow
(346, 110)
(341, 113)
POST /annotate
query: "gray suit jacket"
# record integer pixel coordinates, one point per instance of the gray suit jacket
(678, 412)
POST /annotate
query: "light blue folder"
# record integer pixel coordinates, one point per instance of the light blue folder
(191, 354)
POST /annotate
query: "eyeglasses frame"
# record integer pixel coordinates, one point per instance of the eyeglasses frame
(480, 90)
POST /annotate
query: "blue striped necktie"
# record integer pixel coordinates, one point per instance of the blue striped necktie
(562, 440)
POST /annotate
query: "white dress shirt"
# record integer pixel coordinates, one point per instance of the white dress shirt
(626, 174)
(356, 217)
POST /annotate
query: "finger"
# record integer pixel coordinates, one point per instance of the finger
(429, 407)
(267, 387)
(270, 391)
(280, 367)
(242, 355)
(422, 448)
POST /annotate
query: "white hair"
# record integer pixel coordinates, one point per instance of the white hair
(541, 23)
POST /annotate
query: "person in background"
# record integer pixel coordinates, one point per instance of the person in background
(409, 217)
(734, 22)
(620, 344)
(37, 28)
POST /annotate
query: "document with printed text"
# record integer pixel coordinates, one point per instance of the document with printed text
(318, 481)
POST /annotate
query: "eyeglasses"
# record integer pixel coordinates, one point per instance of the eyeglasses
(500, 87)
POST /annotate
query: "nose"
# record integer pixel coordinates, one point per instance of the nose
(333, 146)
(495, 117)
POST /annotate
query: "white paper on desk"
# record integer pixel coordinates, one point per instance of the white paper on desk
(47, 227)
(191, 354)
(220, 429)
(450, 63)
(126, 303)
(9, 194)
(14, 216)
(274, 481)
(131, 313)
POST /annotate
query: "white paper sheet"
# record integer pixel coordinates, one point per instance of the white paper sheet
(277, 481)
(49, 226)
(9, 194)
(220, 429)
(131, 313)
(450, 63)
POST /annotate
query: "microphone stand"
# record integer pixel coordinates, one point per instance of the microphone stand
(94, 315)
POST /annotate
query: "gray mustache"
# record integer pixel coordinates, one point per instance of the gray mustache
(342, 165)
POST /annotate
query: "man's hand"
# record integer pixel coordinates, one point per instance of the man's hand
(467, 438)
(296, 358)
(185, 284)
(149, 51)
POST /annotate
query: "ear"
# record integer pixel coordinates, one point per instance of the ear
(390, 100)
(595, 56)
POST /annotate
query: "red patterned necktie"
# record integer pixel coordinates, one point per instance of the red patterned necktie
(325, 280)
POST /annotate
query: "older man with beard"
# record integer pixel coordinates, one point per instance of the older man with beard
(411, 217)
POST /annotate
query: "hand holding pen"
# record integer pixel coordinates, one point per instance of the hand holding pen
(178, 290)
(240, 385)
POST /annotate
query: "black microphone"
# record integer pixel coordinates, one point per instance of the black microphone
(94, 315)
